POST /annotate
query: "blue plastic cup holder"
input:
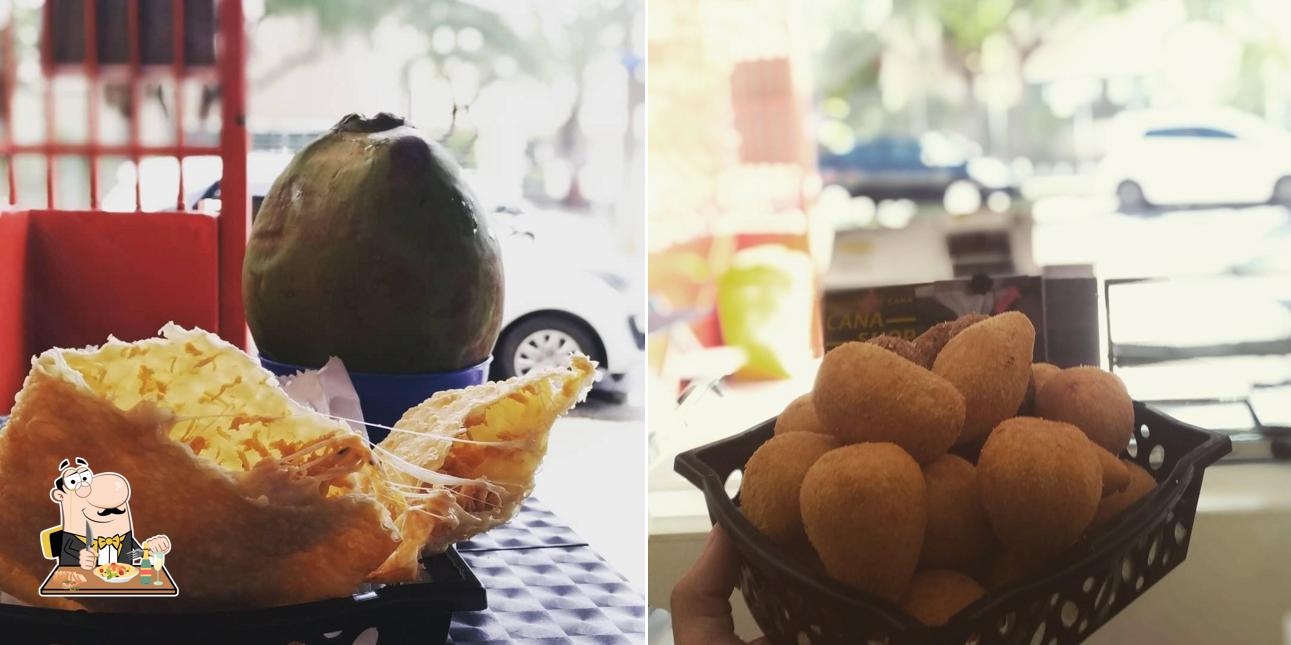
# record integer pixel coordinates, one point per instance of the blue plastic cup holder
(385, 397)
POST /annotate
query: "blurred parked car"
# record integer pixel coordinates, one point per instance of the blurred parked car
(562, 295)
(160, 180)
(1186, 159)
(898, 167)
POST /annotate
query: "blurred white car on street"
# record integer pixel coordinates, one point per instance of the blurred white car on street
(565, 294)
(1177, 158)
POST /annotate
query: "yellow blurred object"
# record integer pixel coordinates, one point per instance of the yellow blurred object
(765, 304)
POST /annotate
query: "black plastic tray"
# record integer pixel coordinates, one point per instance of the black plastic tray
(415, 612)
(1082, 590)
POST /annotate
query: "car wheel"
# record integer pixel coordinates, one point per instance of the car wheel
(540, 342)
(1130, 196)
(1282, 191)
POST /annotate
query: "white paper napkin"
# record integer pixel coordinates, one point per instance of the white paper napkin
(327, 390)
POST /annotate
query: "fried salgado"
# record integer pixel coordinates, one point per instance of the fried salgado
(269, 502)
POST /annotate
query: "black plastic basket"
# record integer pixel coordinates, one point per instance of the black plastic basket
(1088, 585)
(416, 612)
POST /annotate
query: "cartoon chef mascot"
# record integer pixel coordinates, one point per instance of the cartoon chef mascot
(97, 527)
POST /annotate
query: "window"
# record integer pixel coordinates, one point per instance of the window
(1167, 133)
(1199, 133)
(1212, 133)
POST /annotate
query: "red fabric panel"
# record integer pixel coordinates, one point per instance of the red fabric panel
(94, 274)
(13, 322)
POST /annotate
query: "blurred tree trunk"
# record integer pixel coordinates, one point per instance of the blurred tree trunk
(569, 143)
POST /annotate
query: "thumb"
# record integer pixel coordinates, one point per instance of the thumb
(701, 608)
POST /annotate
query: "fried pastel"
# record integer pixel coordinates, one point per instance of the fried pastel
(267, 502)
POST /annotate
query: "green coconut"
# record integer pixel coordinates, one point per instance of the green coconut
(371, 247)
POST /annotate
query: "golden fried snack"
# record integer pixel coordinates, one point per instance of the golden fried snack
(958, 532)
(866, 393)
(1040, 483)
(1092, 400)
(965, 321)
(903, 348)
(266, 502)
(1042, 372)
(772, 478)
(990, 364)
(864, 508)
(214, 483)
(936, 595)
(799, 416)
(465, 460)
(1115, 475)
(1140, 483)
(1008, 567)
(1027, 407)
(935, 338)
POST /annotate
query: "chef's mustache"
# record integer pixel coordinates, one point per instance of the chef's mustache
(111, 511)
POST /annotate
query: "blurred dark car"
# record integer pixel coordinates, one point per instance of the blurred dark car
(899, 167)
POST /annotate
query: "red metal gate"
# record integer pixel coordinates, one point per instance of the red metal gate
(71, 277)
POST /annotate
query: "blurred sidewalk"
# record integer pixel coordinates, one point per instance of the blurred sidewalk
(593, 478)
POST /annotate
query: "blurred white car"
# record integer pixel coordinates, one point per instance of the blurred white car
(160, 181)
(562, 295)
(1174, 158)
(566, 288)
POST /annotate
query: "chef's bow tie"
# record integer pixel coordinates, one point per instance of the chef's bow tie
(114, 542)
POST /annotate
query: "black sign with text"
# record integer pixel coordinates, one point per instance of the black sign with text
(909, 310)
